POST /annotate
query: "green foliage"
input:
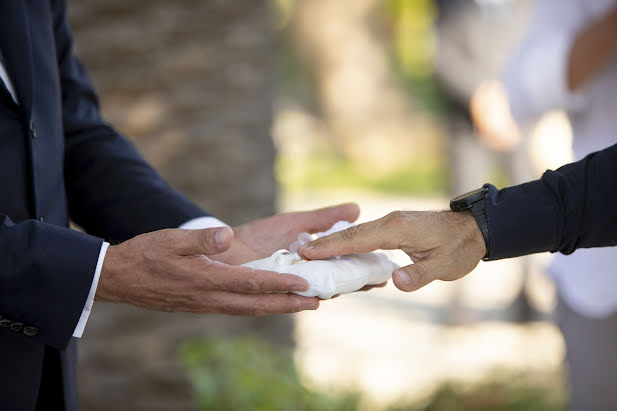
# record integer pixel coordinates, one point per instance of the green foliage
(414, 45)
(327, 171)
(414, 50)
(249, 374)
(501, 392)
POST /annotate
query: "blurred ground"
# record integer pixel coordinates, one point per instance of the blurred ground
(391, 345)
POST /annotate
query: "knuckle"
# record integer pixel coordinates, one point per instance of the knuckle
(350, 234)
(150, 254)
(294, 306)
(259, 309)
(166, 236)
(420, 276)
(396, 218)
(204, 241)
(252, 285)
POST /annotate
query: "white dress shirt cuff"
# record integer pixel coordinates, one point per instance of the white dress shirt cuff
(203, 222)
(81, 324)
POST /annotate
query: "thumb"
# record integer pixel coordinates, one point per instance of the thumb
(206, 241)
(414, 276)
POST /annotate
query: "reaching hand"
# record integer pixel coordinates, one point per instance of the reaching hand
(260, 238)
(444, 245)
(170, 270)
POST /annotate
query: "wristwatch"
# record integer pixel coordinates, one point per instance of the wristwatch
(475, 201)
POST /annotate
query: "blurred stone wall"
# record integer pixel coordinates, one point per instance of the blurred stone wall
(191, 84)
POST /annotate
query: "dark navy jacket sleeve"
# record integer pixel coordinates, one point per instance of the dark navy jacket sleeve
(44, 265)
(112, 192)
(572, 207)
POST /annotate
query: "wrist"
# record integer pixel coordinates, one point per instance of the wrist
(471, 232)
(106, 290)
(463, 230)
(474, 202)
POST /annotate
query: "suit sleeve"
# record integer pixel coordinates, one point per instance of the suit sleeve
(45, 274)
(112, 192)
(569, 208)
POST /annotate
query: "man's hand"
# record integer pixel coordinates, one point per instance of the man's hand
(170, 270)
(260, 238)
(443, 245)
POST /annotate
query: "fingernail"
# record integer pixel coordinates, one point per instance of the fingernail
(403, 276)
(313, 305)
(220, 237)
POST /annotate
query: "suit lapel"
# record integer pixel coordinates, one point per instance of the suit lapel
(17, 50)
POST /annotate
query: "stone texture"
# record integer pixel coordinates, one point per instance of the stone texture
(190, 83)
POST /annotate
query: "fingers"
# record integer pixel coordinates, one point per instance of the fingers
(414, 276)
(245, 280)
(201, 242)
(323, 218)
(364, 238)
(260, 304)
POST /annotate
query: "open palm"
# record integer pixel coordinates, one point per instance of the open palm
(260, 238)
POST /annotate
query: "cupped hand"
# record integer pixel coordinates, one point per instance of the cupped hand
(260, 238)
(443, 245)
(170, 270)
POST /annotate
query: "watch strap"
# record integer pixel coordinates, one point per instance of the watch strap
(478, 209)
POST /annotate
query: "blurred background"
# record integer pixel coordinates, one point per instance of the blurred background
(257, 107)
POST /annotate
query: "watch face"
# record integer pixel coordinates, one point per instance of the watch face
(467, 200)
(469, 194)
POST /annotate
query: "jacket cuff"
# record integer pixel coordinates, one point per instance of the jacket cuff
(46, 277)
(521, 220)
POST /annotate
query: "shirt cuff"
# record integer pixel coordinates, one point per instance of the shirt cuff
(203, 222)
(85, 314)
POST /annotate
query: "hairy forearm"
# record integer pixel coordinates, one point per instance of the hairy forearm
(592, 49)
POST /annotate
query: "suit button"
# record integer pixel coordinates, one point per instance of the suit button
(17, 327)
(5, 323)
(32, 129)
(30, 331)
(42, 219)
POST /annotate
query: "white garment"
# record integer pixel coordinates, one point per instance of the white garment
(4, 77)
(536, 83)
(332, 276)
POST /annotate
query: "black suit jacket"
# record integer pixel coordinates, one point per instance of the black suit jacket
(572, 207)
(59, 160)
